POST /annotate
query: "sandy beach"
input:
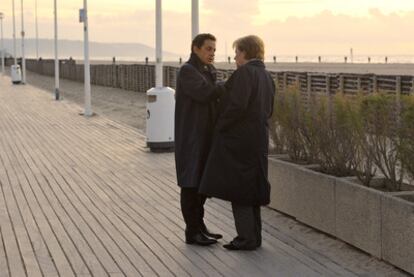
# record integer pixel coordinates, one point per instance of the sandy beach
(129, 108)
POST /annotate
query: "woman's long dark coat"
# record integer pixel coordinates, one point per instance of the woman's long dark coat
(195, 108)
(236, 168)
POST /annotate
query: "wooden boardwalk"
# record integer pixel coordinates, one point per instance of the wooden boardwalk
(85, 197)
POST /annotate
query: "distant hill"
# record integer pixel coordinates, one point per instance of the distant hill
(74, 48)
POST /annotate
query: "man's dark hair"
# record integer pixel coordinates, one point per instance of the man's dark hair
(200, 39)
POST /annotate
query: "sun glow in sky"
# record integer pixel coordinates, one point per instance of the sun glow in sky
(287, 26)
(282, 9)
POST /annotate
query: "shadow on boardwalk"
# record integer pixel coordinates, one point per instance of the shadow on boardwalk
(84, 197)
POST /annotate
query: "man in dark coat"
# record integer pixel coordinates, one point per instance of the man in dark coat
(236, 169)
(196, 101)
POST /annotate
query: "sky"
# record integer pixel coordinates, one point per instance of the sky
(288, 27)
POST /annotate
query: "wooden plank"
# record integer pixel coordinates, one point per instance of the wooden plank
(10, 182)
(4, 272)
(91, 239)
(54, 219)
(37, 242)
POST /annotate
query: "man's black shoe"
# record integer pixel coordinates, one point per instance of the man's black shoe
(207, 233)
(199, 239)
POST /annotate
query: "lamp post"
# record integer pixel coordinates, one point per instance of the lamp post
(14, 34)
(83, 16)
(2, 43)
(158, 45)
(37, 31)
(23, 53)
(194, 18)
(57, 95)
(15, 70)
(160, 99)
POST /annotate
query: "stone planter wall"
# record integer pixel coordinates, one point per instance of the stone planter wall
(397, 216)
(379, 223)
(358, 216)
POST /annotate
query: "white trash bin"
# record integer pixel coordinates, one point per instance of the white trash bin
(16, 74)
(160, 119)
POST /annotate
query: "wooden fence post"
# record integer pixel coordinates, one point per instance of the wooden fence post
(328, 84)
(276, 80)
(374, 84)
(297, 81)
(398, 98)
(359, 85)
(341, 84)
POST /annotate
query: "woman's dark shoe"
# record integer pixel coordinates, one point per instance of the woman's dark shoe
(239, 244)
(235, 247)
(207, 233)
(199, 239)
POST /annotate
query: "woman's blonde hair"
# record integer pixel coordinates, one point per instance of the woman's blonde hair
(252, 45)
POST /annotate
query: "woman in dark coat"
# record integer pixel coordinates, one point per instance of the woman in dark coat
(236, 168)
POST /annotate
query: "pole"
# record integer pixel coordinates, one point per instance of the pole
(158, 45)
(88, 108)
(194, 19)
(352, 55)
(2, 43)
(37, 32)
(23, 54)
(57, 95)
(14, 34)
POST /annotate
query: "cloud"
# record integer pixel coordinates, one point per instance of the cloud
(320, 34)
(291, 2)
(326, 32)
(232, 8)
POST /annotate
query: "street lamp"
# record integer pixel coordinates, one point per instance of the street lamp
(57, 95)
(160, 100)
(194, 18)
(16, 74)
(37, 32)
(83, 16)
(14, 34)
(23, 54)
(158, 45)
(2, 43)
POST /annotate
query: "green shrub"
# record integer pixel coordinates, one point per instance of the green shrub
(276, 131)
(337, 137)
(347, 135)
(365, 164)
(380, 123)
(407, 135)
(288, 118)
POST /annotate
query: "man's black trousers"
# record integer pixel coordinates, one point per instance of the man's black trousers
(192, 207)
